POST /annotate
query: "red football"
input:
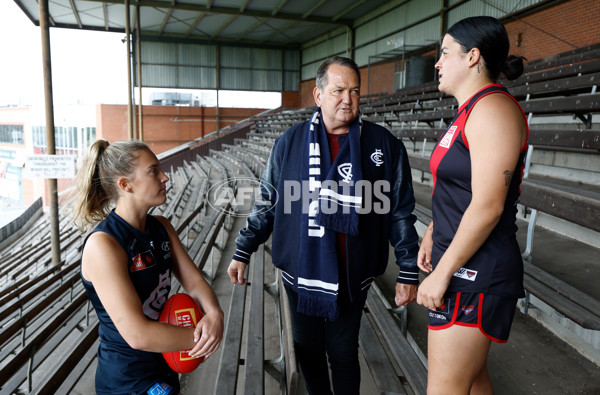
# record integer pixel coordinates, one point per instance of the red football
(181, 310)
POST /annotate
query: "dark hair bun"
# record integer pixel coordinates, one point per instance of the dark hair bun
(513, 67)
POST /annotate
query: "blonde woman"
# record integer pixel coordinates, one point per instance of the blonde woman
(126, 268)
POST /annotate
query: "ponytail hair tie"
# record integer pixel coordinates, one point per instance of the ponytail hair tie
(102, 148)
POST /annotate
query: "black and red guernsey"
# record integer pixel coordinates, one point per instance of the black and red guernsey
(496, 267)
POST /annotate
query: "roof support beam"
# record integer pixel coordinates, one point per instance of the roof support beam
(244, 5)
(252, 28)
(314, 8)
(347, 9)
(130, 119)
(76, 13)
(105, 11)
(138, 56)
(165, 21)
(304, 33)
(283, 28)
(195, 24)
(278, 7)
(51, 183)
(226, 10)
(223, 26)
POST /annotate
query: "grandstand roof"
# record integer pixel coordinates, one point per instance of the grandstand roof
(252, 22)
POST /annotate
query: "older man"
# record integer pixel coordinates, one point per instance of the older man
(345, 192)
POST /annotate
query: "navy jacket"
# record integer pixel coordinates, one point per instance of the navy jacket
(384, 159)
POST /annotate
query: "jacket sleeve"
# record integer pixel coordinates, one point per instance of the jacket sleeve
(403, 235)
(259, 223)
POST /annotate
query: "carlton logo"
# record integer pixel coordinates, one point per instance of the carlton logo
(377, 157)
(238, 196)
(345, 171)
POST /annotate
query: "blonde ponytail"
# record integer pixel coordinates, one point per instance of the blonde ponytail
(97, 179)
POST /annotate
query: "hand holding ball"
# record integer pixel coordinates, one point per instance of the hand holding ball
(181, 310)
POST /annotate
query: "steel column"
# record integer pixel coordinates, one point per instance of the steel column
(50, 146)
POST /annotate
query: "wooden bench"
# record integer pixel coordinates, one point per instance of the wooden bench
(263, 136)
(255, 163)
(565, 58)
(238, 162)
(582, 106)
(43, 326)
(391, 359)
(283, 369)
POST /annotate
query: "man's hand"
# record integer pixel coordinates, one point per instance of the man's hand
(236, 272)
(405, 294)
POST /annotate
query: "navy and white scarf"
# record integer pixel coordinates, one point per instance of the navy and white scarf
(333, 207)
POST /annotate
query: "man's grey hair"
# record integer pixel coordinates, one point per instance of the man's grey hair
(340, 60)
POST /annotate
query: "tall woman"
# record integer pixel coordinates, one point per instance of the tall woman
(126, 268)
(470, 248)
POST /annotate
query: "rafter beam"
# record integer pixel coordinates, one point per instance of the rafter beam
(195, 24)
(223, 26)
(227, 11)
(285, 27)
(346, 10)
(312, 9)
(76, 13)
(165, 21)
(244, 5)
(303, 34)
(278, 7)
(252, 28)
(105, 11)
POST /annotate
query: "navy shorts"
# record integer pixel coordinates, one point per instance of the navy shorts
(492, 314)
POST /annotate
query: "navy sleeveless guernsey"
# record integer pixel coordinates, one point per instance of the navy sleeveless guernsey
(496, 268)
(121, 369)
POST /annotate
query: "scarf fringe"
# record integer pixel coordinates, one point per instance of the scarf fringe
(316, 306)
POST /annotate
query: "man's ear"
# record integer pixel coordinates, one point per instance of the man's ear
(317, 96)
(123, 184)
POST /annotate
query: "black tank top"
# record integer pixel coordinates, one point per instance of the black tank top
(121, 369)
(497, 267)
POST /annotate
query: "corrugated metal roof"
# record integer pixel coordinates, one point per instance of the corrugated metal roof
(257, 22)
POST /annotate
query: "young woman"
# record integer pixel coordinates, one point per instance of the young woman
(470, 248)
(126, 268)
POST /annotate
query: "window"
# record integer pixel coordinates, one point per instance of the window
(66, 138)
(12, 134)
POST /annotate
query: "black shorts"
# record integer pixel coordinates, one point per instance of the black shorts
(492, 314)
